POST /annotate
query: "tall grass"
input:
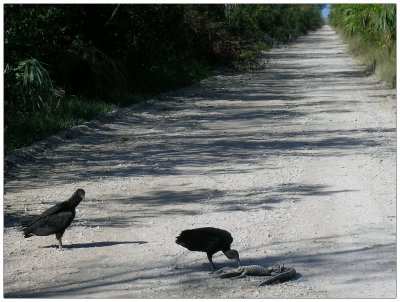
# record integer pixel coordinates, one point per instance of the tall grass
(370, 31)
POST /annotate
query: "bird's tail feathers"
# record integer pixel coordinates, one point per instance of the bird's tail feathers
(28, 221)
(25, 223)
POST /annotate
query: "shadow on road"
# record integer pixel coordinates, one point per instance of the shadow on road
(140, 208)
(94, 244)
(187, 275)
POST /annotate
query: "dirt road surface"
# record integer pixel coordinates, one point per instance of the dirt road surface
(297, 161)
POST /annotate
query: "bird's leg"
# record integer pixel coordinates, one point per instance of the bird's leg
(58, 236)
(209, 256)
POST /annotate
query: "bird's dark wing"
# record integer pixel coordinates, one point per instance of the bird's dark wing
(49, 224)
(213, 243)
(54, 209)
(198, 240)
(68, 205)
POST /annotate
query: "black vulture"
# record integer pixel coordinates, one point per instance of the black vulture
(54, 220)
(209, 240)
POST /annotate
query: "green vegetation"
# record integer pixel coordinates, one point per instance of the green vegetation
(370, 31)
(25, 130)
(66, 63)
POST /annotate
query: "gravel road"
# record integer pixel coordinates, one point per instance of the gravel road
(297, 161)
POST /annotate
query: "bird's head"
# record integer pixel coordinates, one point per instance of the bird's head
(80, 193)
(233, 254)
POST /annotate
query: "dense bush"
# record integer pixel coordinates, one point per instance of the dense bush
(370, 30)
(108, 53)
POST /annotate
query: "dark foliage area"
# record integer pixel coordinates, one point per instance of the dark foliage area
(59, 58)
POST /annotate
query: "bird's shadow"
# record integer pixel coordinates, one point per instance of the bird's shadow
(94, 244)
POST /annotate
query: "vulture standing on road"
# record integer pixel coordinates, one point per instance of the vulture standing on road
(209, 240)
(54, 220)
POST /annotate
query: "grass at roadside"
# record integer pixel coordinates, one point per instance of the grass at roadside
(24, 127)
(22, 131)
(370, 31)
(381, 60)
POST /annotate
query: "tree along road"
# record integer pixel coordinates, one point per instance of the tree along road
(296, 160)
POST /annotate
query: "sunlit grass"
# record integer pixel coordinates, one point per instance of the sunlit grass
(382, 61)
(370, 31)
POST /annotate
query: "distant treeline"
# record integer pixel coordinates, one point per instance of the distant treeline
(370, 30)
(65, 63)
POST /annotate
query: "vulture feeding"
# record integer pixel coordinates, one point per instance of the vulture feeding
(209, 240)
